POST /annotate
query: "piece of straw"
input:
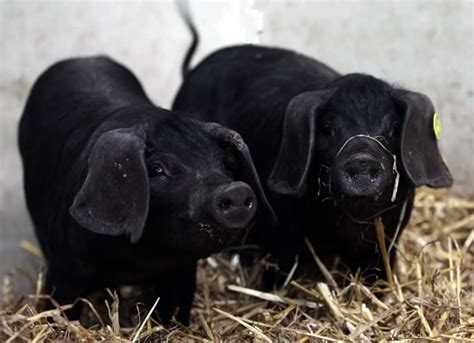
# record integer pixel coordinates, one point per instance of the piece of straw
(145, 320)
(380, 232)
(255, 330)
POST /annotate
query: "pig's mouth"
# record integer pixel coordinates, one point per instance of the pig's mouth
(225, 237)
(379, 198)
(363, 210)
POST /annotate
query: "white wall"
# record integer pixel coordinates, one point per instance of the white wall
(424, 45)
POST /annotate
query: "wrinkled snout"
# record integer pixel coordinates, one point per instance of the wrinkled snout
(363, 175)
(234, 205)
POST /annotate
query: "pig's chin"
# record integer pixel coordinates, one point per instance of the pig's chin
(201, 239)
(364, 208)
(222, 238)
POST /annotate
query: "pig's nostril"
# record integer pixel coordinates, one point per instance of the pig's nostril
(225, 204)
(351, 173)
(248, 203)
(374, 173)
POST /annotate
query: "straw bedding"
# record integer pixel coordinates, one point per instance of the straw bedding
(431, 296)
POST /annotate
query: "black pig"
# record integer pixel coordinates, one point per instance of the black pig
(334, 151)
(123, 192)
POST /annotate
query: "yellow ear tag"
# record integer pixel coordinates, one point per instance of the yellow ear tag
(436, 126)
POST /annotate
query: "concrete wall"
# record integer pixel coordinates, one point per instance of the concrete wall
(423, 45)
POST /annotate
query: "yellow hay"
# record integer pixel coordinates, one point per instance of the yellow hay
(430, 295)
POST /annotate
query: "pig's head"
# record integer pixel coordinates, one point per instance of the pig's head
(186, 185)
(356, 142)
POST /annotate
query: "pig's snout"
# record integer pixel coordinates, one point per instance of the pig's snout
(363, 175)
(234, 205)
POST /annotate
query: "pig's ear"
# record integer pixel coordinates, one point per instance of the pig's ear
(290, 172)
(225, 135)
(420, 154)
(113, 199)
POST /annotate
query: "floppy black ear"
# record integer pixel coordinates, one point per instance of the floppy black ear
(228, 136)
(291, 169)
(113, 199)
(420, 154)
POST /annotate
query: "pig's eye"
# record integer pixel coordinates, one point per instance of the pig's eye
(395, 129)
(327, 130)
(157, 170)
